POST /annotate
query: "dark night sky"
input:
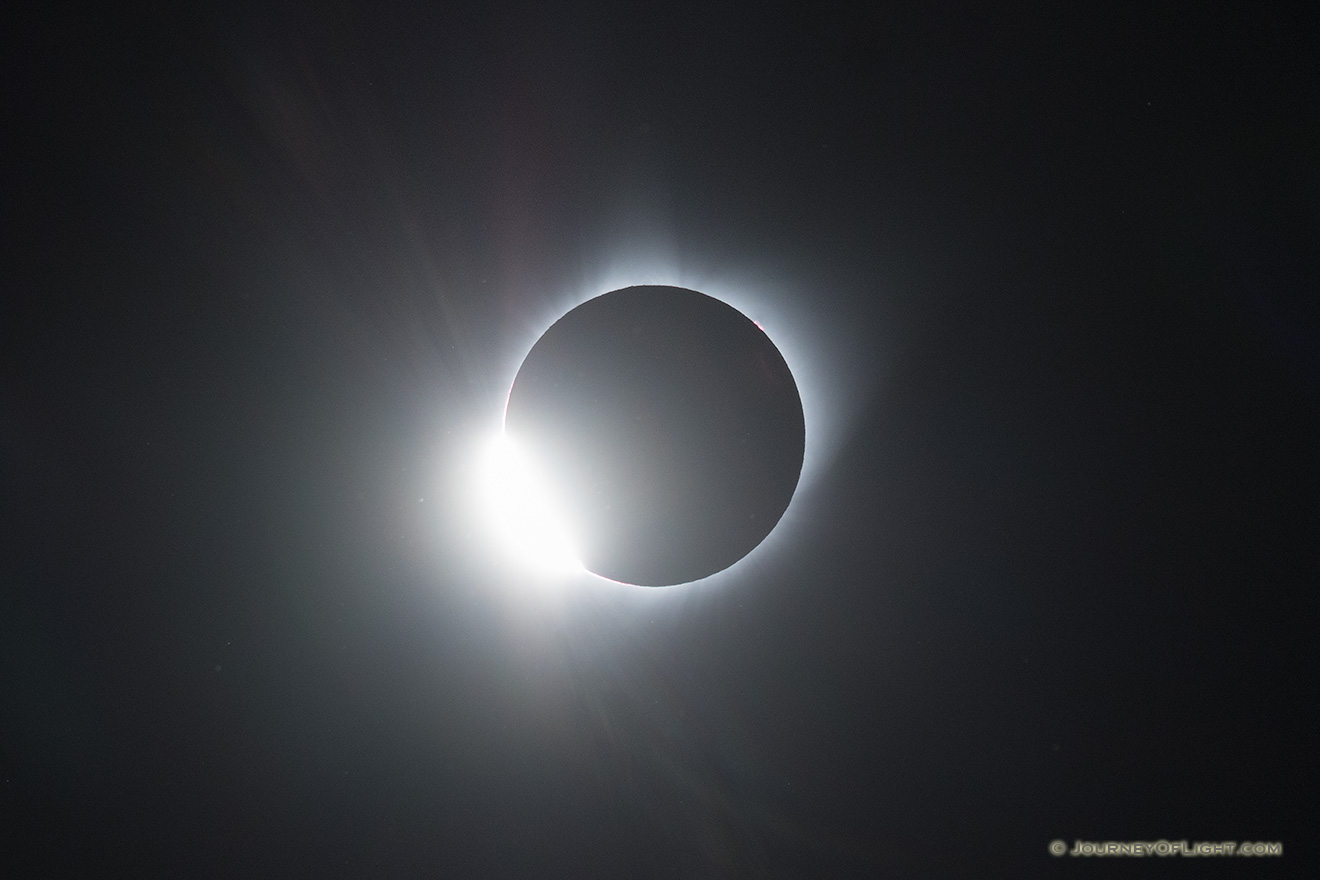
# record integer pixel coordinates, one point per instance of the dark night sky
(268, 273)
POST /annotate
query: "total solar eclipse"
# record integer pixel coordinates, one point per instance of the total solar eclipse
(665, 430)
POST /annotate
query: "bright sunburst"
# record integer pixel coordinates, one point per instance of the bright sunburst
(521, 513)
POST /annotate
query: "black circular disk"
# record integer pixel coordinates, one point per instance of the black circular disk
(668, 427)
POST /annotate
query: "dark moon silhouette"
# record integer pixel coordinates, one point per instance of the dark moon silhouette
(669, 428)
